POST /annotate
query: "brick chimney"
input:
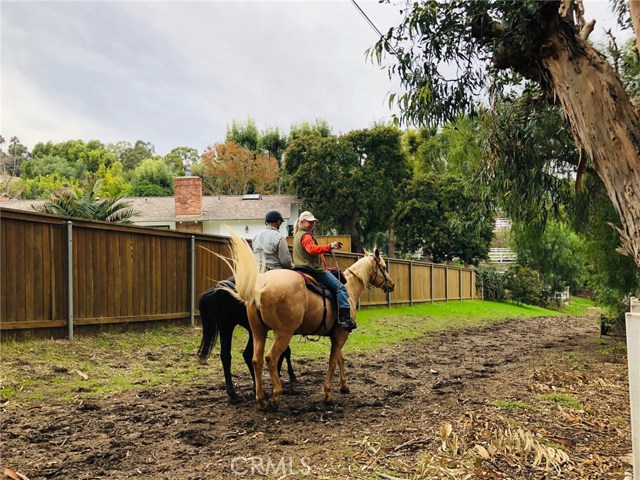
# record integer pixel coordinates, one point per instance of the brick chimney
(188, 195)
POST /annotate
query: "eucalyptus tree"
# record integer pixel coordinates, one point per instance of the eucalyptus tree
(496, 44)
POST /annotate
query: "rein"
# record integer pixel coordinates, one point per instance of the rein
(368, 284)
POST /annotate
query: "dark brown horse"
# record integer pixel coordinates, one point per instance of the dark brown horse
(221, 313)
(278, 300)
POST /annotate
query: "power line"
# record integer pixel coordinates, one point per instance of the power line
(367, 18)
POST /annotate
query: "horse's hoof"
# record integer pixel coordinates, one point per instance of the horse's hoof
(262, 405)
(328, 400)
(234, 399)
(293, 379)
(345, 389)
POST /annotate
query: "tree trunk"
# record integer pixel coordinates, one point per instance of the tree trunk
(634, 10)
(604, 123)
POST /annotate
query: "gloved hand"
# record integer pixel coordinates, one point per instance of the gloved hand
(336, 245)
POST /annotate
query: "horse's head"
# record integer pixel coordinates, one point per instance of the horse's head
(379, 277)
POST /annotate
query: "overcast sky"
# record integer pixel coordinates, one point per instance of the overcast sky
(178, 73)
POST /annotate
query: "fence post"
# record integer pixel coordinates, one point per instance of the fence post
(192, 282)
(411, 283)
(388, 293)
(70, 280)
(431, 282)
(471, 277)
(446, 283)
(633, 359)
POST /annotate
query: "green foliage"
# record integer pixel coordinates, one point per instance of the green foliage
(45, 165)
(273, 143)
(42, 187)
(557, 253)
(87, 204)
(245, 135)
(179, 157)
(490, 281)
(131, 157)
(81, 156)
(458, 148)
(533, 161)
(444, 219)
(563, 400)
(385, 167)
(318, 128)
(612, 277)
(11, 162)
(350, 181)
(523, 285)
(152, 178)
(327, 176)
(112, 181)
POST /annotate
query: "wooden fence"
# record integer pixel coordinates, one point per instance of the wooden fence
(60, 273)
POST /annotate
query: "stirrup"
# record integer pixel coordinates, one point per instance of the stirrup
(348, 324)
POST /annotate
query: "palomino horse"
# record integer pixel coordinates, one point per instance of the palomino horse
(221, 313)
(278, 300)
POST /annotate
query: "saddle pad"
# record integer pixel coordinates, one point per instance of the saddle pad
(313, 285)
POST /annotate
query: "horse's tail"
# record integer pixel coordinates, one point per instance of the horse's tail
(209, 313)
(250, 283)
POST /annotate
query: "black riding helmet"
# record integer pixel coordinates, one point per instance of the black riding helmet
(273, 216)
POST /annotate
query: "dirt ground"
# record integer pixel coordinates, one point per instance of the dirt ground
(492, 402)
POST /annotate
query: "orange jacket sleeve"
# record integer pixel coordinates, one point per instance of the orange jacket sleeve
(311, 247)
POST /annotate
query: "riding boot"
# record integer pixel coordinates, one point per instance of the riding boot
(345, 320)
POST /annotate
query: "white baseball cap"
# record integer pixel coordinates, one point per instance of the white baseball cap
(308, 216)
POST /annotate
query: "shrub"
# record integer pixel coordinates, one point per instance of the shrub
(524, 285)
(491, 282)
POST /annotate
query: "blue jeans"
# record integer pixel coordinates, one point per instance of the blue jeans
(331, 282)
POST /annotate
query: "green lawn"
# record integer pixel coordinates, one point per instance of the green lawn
(108, 363)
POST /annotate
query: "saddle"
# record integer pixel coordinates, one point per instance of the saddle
(315, 286)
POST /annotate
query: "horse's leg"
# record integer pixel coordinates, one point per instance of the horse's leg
(247, 354)
(337, 342)
(259, 330)
(344, 388)
(280, 343)
(292, 375)
(286, 355)
(226, 335)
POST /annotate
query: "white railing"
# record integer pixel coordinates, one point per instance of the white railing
(502, 223)
(502, 255)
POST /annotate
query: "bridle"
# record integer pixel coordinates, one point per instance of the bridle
(368, 284)
(385, 276)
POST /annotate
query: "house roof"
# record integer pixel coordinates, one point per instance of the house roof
(214, 208)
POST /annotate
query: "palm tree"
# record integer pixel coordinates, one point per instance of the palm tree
(67, 203)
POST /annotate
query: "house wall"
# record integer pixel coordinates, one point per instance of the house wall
(244, 228)
(161, 225)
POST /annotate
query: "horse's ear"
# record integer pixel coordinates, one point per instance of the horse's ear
(376, 252)
(366, 252)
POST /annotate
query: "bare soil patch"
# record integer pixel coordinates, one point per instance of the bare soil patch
(487, 384)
